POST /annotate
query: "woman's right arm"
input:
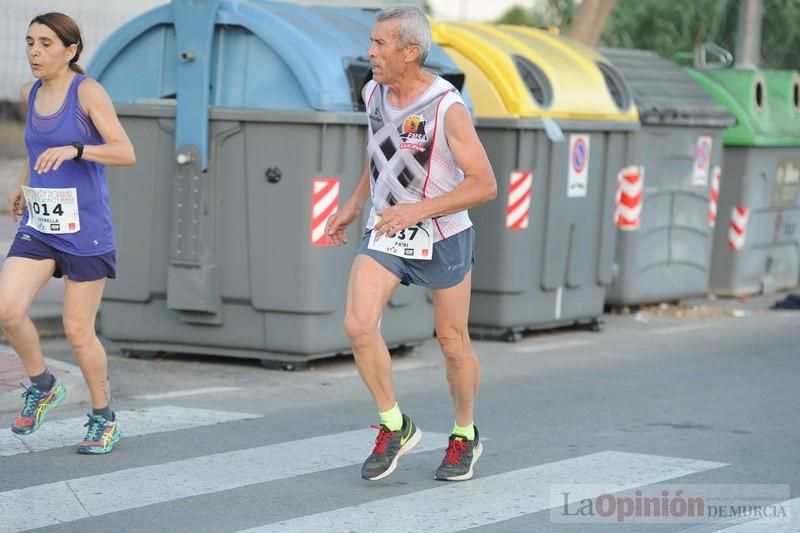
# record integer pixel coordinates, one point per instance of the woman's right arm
(16, 200)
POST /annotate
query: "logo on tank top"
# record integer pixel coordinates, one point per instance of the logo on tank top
(413, 133)
(375, 114)
(376, 119)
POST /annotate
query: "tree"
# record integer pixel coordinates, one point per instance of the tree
(590, 20)
(554, 13)
(519, 16)
(669, 28)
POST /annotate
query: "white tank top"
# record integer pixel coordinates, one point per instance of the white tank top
(409, 159)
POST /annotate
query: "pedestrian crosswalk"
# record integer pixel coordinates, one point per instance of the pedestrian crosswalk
(489, 499)
(523, 492)
(68, 432)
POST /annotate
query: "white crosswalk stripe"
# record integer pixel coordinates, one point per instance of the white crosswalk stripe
(487, 500)
(132, 488)
(70, 431)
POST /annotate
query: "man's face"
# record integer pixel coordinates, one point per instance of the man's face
(389, 59)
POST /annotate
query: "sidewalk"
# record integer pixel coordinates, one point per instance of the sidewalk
(12, 374)
(46, 314)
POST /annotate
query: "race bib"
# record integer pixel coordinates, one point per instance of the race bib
(52, 210)
(415, 242)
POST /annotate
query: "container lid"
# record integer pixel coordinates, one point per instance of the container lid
(764, 102)
(267, 55)
(515, 71)
(664, 93)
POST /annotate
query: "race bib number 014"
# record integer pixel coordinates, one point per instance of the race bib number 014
(415, 242)
(52, 210)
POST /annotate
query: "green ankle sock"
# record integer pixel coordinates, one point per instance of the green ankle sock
(468, 432)
(392, 419)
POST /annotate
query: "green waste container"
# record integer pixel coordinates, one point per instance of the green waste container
(757, 238)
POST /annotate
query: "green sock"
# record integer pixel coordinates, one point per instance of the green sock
(392, 419)
(468, 432)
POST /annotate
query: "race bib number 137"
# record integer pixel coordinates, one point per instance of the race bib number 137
(52, 210)
(415, 242)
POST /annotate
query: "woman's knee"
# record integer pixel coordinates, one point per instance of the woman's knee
(79, 333)
(12, 311)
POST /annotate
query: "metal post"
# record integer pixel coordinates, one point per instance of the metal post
(748, 37)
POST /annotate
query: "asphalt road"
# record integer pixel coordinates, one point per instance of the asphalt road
(706, 405)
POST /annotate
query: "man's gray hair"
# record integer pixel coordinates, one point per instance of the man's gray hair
(413, 29)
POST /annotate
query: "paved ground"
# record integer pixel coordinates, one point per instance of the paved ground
(704, 405)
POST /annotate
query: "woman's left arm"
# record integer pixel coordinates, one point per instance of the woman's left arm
(117, 149)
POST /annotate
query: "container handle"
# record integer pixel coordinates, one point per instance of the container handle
(701, 52)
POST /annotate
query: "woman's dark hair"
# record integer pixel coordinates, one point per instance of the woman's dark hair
(67, 30)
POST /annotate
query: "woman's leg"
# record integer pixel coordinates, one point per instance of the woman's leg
(20, 280)
(81, 302)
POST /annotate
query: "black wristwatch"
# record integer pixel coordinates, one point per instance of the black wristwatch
(79, 147)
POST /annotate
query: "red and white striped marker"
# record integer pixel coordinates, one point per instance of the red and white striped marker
(738, 231)
(519, 199)
(630, 193)
(324, 203)
(714, 198)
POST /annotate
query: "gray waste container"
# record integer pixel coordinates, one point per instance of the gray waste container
(555, 119)
(666, 201)
(219, 226)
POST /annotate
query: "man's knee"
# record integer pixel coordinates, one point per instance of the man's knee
(359, 329)
(455, 345)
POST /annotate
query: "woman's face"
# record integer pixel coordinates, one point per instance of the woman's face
(47, 55)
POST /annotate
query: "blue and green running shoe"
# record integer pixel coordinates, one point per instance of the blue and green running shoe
(37, 403)
(101, 435)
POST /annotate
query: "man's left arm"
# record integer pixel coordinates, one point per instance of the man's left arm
(479, 183)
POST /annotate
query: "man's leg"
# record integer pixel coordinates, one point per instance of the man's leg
(451, 308)
(368, 292)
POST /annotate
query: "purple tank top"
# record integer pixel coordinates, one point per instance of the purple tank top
(67, 125)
